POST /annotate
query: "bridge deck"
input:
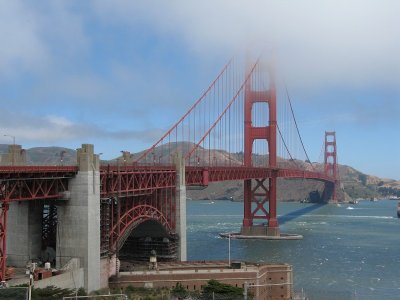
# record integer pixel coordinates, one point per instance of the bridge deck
(19, 183)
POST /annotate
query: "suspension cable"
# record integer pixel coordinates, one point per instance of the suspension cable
(287, 149)
(295, 122)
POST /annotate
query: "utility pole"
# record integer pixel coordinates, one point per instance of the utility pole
(229, 249)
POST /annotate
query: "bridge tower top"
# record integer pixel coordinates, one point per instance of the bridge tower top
(87, 160)
(16, 156)
(254, 95)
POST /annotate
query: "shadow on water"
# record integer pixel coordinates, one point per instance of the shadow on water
(298, 213)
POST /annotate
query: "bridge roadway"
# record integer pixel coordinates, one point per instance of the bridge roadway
(24, 183)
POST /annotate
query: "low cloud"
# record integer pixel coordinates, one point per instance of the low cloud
(57, 129)
(316, 43)
(36, 37)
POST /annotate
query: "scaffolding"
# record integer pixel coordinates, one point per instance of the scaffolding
(49, 226)
(105, 226)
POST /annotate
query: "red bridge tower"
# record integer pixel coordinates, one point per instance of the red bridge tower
(330, 164)
(265, 189)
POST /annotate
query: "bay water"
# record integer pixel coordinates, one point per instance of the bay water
(348, 251)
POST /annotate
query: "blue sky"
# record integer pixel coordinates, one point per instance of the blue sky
(119, 73)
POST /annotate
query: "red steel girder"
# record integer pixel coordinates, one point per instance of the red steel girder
(298, 174)
(202, 176)
(260, 196)
(52, 171)
(21, 183)
(132, 218)
(23, 189)
(131, 180)
(3, 239)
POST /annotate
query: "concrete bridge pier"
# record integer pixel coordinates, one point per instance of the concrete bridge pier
(180, 196)
(79, 219)
(24, 232)
(24, 219)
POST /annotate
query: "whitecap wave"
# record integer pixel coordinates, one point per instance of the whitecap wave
(350, 216)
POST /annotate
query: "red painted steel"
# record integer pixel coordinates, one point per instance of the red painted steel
(133, 180)
(330, 161)
(251, 134)
(31, 183)
(132, 218)
(28, 183)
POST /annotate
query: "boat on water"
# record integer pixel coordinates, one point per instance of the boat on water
(398, 209)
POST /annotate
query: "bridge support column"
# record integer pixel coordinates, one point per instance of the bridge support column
(273, 226)
(79, 219)
(330, 166)
(261, 193)
(180, 197)
(24, 232)
(24, 219)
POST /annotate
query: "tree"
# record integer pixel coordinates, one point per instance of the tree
(362, 178)
(179, 291)
(51, 293)
(216, 287)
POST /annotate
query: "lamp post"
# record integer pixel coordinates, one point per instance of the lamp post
(229, 249)
(13, 151)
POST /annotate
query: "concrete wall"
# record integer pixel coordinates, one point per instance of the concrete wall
(79, 219)
(181, 207)
(274, 281)
(24, 222)
(24, 236)
(73, 279)
(109, 266)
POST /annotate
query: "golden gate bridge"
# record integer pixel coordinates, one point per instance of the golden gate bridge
(232, 132)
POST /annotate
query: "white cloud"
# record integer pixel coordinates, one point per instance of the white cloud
(59, 129)
(21, 45)
(37, 36)
(59, 121)
(317, 43)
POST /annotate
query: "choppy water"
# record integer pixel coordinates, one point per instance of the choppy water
(348, 252)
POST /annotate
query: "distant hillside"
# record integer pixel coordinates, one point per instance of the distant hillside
(51, 156)
(356, 184)
(47, 155)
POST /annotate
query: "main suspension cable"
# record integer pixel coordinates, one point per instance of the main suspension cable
(295, 122)
(284, 143)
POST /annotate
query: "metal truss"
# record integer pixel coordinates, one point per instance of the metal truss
(133, 180)
(131, 219)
